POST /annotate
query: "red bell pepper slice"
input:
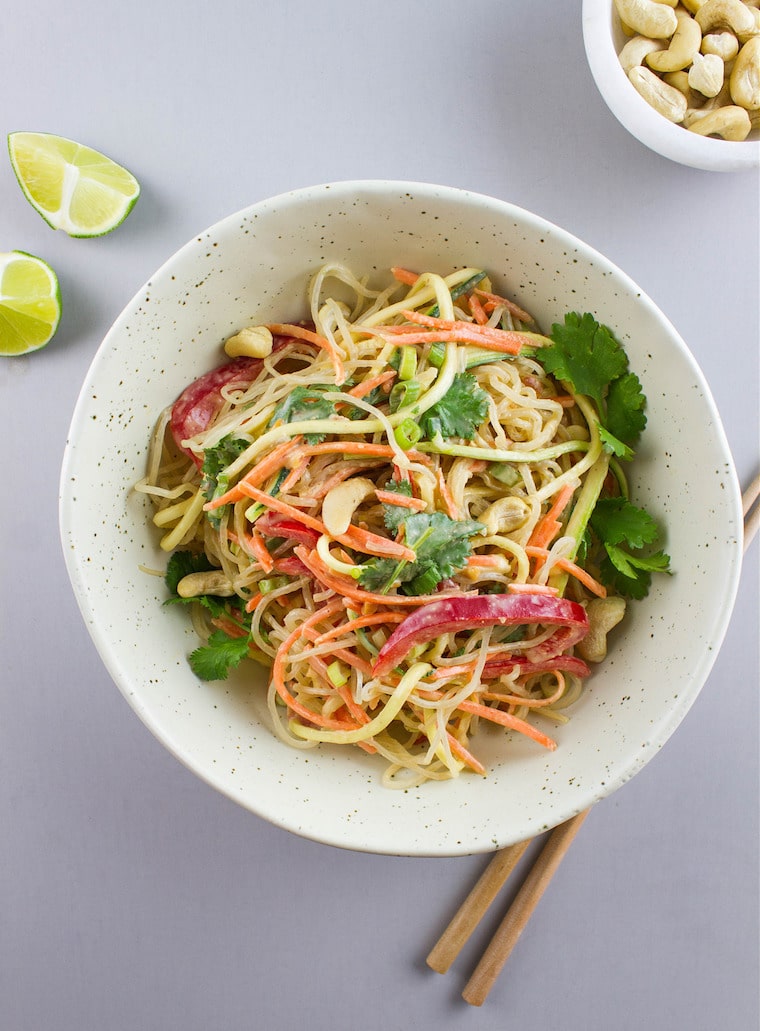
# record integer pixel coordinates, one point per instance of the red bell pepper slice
(198, 404)
(564, 663)
(480, 610)
(272, 525)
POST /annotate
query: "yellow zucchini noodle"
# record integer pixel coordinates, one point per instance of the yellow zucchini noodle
(384, 506)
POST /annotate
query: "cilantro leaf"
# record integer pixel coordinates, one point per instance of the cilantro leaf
(378, 574)
(441, 546)
(625, 416)
(215, 659)
(584, 354)
(459, 412)
(305, 403)
(587, 355)
(215, 461)
(394, 515)
(617, 521)
(624, 530)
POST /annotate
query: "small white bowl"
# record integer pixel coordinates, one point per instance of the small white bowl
(604, 39)
(254, 266)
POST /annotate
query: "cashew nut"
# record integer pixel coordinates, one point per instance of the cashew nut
(665, 99)
(744, 82)
(706, 74)
(636, 49)
(725, 14)
(680, 81)
(603, 614)
(212, 581)
(252, 342)
(648, 18)
(683, 47)
(340, 503)
(693, 5)
(730, 123)
(505, 515)
(724, 44)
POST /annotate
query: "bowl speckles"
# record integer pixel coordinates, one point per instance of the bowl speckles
(253, 267)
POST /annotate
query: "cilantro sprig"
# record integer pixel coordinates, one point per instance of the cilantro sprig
(441, 545)
(588, 357)
(221, 653)
(625, 532)
(459, 412)
(215, 461)
(305, 403)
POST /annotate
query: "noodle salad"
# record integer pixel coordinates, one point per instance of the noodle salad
(412, 509)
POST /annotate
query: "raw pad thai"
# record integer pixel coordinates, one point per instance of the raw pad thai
(412, 509)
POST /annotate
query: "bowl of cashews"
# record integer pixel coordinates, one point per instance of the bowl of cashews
(682, 76)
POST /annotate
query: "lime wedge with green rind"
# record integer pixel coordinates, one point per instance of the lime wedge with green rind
(30, 303)
(74, 188)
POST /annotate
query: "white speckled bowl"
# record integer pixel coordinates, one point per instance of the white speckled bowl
(253, 266)
(604, 39)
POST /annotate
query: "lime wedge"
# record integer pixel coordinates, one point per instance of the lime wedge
(73, 187)
(30, 303)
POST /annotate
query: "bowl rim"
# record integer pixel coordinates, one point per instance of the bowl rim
(77, 570)
(642, 121)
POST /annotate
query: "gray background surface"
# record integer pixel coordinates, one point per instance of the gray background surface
(132, 895)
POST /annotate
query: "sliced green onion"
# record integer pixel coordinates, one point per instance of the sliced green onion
(436, 355)
(407, 434)
(266, 586)
(425, 582)
(505, 473)
(408, 363)
(336, 674)
(404, 394)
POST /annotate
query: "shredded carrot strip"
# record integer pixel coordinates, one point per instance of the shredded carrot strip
(253, 602)
(486, 561)
(506, 719)
(570, 567)
(355, 537)
(294, 475)
(319, 487)
(547, 528)
(477, 309)
(470, 333)
(266, 467)
(446, 496)
(502, 302)
(405, 276)
(390, 497)
(474, 332)
(515, 588)
(374, 544)
(368, 385)
(361, 447)
(301, 333)
(281, 660)
(358, 623)
(259, 551)
(459, 750)
(529, 703)
(585, 578)
(350, 658)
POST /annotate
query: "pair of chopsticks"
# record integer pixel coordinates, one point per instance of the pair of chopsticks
(495, 875)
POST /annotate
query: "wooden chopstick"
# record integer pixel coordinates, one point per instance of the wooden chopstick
(493, 878)
(519, 913)
(474, 907)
